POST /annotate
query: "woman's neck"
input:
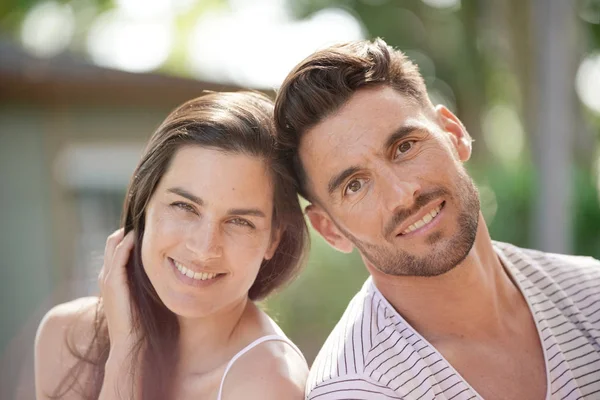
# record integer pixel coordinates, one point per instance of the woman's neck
(209, 340)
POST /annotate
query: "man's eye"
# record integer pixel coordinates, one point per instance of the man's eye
(404, 147)
(354, 186)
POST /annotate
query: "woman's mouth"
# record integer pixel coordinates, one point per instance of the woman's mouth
(199, 276)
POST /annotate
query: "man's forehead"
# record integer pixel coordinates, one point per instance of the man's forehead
(361, 126)
(326, 149)
(366, 112)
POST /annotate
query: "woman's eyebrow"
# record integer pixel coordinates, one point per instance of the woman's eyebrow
(198, 200)
(246, 211)
(184, 193)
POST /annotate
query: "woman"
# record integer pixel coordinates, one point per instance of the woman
(211, 223)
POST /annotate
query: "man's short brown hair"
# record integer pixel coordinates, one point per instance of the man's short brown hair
(324, 81)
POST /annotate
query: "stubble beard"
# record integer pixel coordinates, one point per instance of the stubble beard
(444, 255)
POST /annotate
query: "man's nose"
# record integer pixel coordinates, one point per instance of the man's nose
(398, 192)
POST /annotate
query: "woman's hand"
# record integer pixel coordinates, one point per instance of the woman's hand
(114, 290)
(118, 312)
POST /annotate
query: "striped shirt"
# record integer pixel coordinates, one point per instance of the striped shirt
(373, 353)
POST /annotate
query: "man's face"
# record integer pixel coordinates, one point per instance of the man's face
(387, 177)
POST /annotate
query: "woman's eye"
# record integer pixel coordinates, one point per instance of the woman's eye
(354, 186)
(241, 222)
(184, 206)
(404, 147)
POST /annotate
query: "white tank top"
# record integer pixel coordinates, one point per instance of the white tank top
(250, 347)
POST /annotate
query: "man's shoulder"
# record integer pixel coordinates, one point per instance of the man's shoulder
(339, 352)
(351, 386)
(563, 279)
(362, 339)
(552, 264)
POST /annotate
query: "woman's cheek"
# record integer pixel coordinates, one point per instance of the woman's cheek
(246, 245)
(170, 224)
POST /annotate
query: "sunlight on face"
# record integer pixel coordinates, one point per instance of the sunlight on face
(391, 180)
(208, 229)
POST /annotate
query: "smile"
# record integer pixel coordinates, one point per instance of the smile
(199, 276)
(427, 218)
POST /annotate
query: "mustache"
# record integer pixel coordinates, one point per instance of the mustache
(402, 215)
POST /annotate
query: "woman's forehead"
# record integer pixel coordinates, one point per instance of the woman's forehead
(220, 177)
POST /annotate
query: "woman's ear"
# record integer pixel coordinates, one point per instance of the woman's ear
(323, 224)
(458, 133)
(275, 239)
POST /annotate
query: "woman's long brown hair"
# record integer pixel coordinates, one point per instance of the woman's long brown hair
(234, 123)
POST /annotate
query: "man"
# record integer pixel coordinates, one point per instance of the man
(447, 313)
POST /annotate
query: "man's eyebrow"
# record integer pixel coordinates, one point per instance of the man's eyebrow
(338, 179)
(184, 193)
(400, 133)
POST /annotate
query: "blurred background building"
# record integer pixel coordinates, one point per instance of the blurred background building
(83, 84)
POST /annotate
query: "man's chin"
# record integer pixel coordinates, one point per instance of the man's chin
(428, 260)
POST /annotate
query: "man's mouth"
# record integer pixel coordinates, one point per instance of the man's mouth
(426, 219)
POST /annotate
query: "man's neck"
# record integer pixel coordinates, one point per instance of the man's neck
(470, 301)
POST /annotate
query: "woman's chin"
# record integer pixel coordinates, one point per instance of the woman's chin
(191, 309)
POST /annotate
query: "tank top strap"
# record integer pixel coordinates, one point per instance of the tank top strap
(252, 345)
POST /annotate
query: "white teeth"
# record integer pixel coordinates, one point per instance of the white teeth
(200, 276)
(425, 220)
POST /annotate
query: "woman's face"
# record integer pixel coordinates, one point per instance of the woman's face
(208, 229)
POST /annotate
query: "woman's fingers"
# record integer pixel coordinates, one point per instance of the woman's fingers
(123, 251)
(113, 286)
(112, 242)
(116, 255)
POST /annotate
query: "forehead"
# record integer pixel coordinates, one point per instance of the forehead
(220, 178)
(356, 132)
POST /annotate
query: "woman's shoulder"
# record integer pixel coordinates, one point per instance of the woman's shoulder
(270, 367)
(78, 315)
(273, 369)
(68, 326)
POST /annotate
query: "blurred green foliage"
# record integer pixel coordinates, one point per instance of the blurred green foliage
(586, 218)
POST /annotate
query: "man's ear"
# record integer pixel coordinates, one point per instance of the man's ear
(458, 133)
(326, 228)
